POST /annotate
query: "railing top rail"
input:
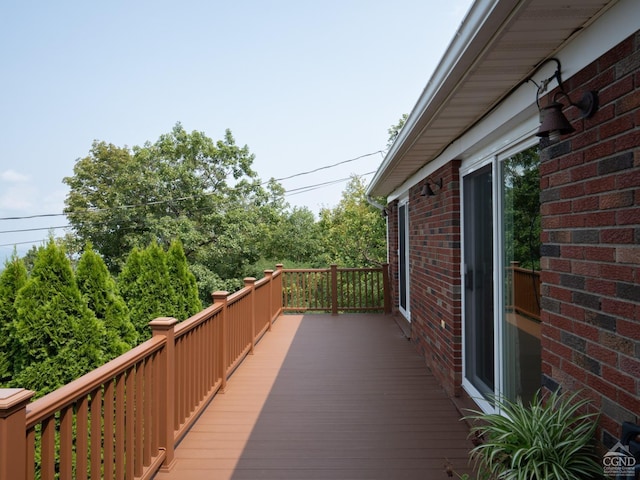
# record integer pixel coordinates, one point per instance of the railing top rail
(66, 395)
(236, 296)
(524, 270)
(305, 270)
(195, 320)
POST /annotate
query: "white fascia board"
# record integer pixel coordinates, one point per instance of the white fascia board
(517, 116)
(468, 30)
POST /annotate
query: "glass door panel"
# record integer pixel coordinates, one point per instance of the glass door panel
(520, 248)
(478, 281)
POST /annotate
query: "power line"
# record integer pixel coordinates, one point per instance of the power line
(34, 229)
(159, 202)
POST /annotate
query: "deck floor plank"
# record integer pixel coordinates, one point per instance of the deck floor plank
(324, 397)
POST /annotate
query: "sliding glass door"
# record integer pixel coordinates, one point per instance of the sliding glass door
(501, 268)
(478, 281)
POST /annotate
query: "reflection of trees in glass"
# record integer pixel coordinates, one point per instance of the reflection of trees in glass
(522, 208)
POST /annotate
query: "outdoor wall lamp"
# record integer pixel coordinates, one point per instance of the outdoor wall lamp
(427, 191)
(553, 123)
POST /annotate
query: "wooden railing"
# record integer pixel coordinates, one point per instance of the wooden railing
(123, 420)
(524, 293)
(336, 289)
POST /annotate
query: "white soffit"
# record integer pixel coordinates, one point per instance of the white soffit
(499, 45)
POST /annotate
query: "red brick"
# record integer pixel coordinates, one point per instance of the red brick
(572, 191)
(628, 102)
(616, 200)
(601, 287)
(628, 401)
(616, 90)
(560, 178)
(627, 141)
(621, 273)
(617, 126)
(602, 254)
(604, 355)
(600, 185)
(629, 328)
(600, 150)
(629, 216)
(617, 307)
(618, 378)
(585, 204)
(573, 370)
(617, 53)
(617, 235)
(630, 366)
(628, 254)
(628, 179)
(572, 311)
(600, 219)
(557, 208)
(599, 385)
(616, 342)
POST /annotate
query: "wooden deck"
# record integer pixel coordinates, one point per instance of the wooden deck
(325, 397)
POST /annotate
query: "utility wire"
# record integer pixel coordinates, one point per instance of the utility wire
(158, 202)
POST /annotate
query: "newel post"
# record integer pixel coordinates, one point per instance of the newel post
(13, 432)
(164, 326)
(334, 289)
(220, 297)
(269, 275)
(250, 283)
(386, 287)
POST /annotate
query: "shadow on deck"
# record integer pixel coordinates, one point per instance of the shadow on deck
(342, 397)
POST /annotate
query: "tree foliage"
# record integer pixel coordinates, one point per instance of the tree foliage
(60, 338)
(183, 283)
(145, 285)
(184, 186)
(521, 179)
(12, 279)
(99, 291)
(354, 231)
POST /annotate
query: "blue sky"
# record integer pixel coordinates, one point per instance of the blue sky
(304, 84)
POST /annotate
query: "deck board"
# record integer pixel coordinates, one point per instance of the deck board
(324, 397)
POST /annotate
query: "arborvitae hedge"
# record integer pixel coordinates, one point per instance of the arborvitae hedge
(60, 338)
(145, 286)
(12, 279)
(101, 294)
(183, 283)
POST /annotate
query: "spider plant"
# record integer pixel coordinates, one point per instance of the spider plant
(550, 439)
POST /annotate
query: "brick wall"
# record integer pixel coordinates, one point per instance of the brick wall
(590, 194)
(434, 232)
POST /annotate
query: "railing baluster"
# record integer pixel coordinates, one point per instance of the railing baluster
(82, 440)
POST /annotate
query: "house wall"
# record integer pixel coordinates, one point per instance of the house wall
(436, 319)
(590, 205)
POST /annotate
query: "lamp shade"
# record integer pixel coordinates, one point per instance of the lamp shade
(554, 123)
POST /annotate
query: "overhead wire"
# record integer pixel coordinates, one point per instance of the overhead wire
(159, 202)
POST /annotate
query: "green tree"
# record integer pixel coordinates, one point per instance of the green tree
(12, 279)
(99, 290)
(354, 232)
(145, 286)
(293, 238)
(394, 130)
(183, 283)
(521, 179)
(184, 186)
(60, 338)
